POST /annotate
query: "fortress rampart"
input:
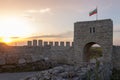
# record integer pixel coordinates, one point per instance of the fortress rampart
(42, 43)
(85, 35)
(57, 51)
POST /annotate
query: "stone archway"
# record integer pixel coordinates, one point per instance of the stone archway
(90, 32)
(92, 50)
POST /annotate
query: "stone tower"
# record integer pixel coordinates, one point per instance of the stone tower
(93, 32)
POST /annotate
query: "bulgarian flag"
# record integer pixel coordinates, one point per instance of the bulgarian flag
(93, 12)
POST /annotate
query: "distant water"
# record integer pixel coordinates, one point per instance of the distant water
(15, 76)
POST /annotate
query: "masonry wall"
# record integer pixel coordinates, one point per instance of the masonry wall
(116, 57)
(93, 32)
(17, 54)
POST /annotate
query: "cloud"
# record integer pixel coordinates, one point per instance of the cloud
(68, 34)
(32, 11)
(46, 10)
(45, 36)
(14, 37)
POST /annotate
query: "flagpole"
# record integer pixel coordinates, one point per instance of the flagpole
(97, 14)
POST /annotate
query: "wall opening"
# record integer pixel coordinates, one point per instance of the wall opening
(93, 29)
(92, 51)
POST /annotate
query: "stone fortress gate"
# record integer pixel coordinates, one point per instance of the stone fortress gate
(89, 33)
(86, 34)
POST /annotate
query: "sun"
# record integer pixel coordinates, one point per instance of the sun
(7, 40)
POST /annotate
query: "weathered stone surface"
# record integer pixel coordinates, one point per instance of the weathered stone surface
(93, 32)
(116, 57)
(66, 72)
(85, 35)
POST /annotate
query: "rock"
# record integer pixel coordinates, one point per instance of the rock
(67, 72)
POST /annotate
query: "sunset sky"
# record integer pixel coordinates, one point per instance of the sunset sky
(52, 20)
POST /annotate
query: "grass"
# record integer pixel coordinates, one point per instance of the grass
(34, 66)
(95, 52)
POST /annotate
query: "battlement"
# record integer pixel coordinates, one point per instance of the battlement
(42, 43)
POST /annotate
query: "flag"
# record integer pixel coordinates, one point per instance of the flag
(93, 12)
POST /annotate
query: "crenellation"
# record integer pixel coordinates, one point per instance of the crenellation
(51, 43)
(40, 43)
(45, 43)
(67, 44)
(62, 44)
(29, 43)
(56, 43)
(34, 42)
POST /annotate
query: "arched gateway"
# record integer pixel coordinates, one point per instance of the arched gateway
(91, 51)
(93, 32)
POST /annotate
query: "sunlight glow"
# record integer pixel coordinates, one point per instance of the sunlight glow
(7, 40)
(15, 26)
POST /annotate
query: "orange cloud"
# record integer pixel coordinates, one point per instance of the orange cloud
(68, 34)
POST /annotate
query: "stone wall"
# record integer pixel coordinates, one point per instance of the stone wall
(88, 33)
(51, 43)
(85, 35)
(116, 57)
(21, 54)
